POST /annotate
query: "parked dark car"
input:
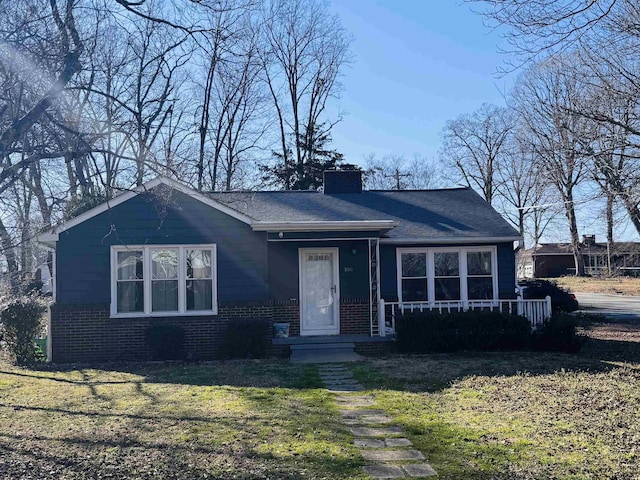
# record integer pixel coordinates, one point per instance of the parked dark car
(561, 299)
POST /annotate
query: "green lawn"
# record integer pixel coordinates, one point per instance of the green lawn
(484, 415)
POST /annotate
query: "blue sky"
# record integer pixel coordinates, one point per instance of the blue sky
(417, 65)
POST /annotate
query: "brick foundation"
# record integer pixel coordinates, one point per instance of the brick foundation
(85, 333)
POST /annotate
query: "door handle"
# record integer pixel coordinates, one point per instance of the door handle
(334, 289)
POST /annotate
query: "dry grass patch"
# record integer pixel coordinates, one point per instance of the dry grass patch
(236, 420)
(613, 285)
(519, 415)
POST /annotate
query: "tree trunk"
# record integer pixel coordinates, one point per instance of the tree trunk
(10, 256)
(576, 246)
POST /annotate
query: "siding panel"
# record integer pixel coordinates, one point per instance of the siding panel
(83, 252)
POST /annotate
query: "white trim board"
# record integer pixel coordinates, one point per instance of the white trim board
(448, 240)
(319, 226)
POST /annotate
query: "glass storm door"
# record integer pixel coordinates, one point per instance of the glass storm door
(319, 291)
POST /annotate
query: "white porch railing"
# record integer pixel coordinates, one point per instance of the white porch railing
(537, 311)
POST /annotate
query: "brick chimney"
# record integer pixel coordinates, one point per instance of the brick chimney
(342, 181)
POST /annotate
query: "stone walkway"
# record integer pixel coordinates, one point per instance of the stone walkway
(389, 452)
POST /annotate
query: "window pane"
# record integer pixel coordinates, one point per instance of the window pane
(480, 288)
(414, 290)
(164, 264)
(130, 296)
(164, 296)
(129, 265)
(414, 265)
(199, 264)
(479, 263)
(446, 264)
(199, 295)
(447, 288)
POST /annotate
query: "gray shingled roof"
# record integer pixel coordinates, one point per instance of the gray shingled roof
(458, 212)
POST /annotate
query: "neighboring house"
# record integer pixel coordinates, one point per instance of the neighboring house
(321, 261)
(549, 260)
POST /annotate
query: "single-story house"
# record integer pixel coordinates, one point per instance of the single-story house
(322, 261)
(550, 260)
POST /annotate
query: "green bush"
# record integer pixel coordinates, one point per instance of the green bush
(472, 330)
(165, 341)
(246, 338)
(20, 323)
(559, 334)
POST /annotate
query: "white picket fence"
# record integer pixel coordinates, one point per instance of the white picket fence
(537, 311)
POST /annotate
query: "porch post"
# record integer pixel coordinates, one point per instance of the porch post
(382, 328)
(548, 310)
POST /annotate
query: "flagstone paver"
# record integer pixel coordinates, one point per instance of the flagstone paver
(419, 470)
(384, 471)
(392, 455)
(374, 419)
(397, 442)
(368, 443)
(358, 402)
(375, 432)
(366, 424)
(360, 412)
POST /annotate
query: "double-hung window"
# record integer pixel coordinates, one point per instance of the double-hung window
(414, 276)
(160, 280)
(447, 274)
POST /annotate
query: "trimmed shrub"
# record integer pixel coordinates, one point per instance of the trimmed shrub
(165, 341)
(472, 330)
(246, 338)
(20, 323)
(559, 334)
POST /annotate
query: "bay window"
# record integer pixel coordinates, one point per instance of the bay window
(163, 280)
(447, 274)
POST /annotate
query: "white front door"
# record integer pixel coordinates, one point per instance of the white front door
(319, 291)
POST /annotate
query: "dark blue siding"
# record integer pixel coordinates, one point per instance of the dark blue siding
(284, 270)
(83, 252)
(388, 272)
(506, 270)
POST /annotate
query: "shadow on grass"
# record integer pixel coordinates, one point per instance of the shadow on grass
(36, 456)
(267, 374)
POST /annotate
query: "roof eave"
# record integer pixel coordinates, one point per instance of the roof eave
(449, 240)
(319, 226)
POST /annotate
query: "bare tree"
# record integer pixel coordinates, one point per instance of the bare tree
(545, 96)
(522, 195)
(23, 44)
(397, 172)
(305, 49)
(473, 146)
(551, 26)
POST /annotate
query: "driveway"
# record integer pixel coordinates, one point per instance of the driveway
(619, 307)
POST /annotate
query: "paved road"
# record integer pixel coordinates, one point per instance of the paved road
(613, 306)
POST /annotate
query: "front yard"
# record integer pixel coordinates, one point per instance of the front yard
(480, 415)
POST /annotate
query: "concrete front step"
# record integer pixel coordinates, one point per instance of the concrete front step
(323, 353)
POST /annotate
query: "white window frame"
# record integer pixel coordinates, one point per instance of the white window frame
(462, 257)
(182, 280)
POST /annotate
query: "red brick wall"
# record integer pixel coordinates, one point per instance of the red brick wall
(354, 318)
(85, 333)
